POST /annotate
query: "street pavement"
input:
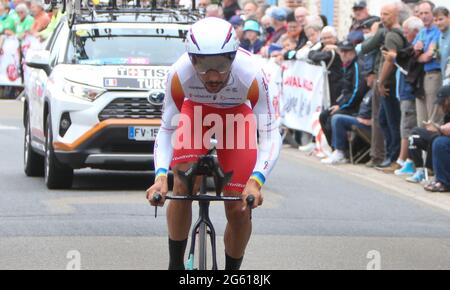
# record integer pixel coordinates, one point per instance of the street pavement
(314, 217)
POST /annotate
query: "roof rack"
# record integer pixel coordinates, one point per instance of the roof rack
(88, 11)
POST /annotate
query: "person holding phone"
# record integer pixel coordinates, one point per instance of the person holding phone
(423, 139)
(441, 146)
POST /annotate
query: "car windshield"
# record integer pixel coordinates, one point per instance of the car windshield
(125, 46)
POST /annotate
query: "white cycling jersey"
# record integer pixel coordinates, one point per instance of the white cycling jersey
(247, 85)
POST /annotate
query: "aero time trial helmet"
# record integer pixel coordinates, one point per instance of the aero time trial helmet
(212, 44)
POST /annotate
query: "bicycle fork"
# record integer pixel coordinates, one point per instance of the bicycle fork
(205, 221)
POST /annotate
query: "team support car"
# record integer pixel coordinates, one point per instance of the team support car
(95, 94)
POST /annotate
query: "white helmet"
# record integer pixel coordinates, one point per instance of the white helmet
(212, 36)
(212, 44)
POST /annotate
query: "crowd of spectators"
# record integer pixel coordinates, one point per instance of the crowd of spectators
(28, 17)
(388, 78)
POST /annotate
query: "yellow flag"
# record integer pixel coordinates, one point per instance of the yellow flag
(96, 2)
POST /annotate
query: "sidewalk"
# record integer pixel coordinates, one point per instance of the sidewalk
(393, 184)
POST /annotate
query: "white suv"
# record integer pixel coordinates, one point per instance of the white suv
(95, 94)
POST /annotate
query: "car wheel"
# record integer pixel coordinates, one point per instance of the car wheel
(57, 175)
(33, 162)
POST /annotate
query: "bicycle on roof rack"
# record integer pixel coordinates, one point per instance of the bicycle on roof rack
(81, 11)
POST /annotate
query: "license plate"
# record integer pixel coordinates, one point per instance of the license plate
(142, 133)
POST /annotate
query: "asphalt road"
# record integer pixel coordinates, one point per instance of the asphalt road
(314, 217)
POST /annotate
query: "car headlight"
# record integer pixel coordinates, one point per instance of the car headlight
(82, 91)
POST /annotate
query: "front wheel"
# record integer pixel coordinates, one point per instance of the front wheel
(33, 163)
(203, 247)
(57, 175)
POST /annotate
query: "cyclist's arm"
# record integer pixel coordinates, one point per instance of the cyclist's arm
(269, 135)
(163, 150)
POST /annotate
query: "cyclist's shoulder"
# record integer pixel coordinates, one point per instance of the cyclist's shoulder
(181, 70)
(247, 67)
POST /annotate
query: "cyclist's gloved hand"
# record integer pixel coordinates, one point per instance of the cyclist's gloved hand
(161, 186)
(252, 188)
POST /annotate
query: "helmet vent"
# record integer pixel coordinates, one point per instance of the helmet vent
(228, 36)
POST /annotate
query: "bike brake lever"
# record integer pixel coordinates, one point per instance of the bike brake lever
(250, 203)
(157, 199)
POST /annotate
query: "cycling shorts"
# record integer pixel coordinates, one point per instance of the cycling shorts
(237, 140)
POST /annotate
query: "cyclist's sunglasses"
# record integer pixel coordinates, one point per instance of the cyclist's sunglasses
(220, 63)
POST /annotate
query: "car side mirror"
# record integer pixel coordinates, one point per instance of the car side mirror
(39, 59)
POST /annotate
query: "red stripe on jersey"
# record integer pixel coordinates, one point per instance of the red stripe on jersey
(253, 93)
(177, 92)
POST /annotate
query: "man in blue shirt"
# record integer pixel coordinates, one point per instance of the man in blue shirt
(442, 20)
(426, 44)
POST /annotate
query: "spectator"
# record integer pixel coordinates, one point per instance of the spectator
(55, 19)
(8, 20)
(426, 45)
(288, 43)
(423, 139)
(405, 92)
(442, 20)
(313, 34)
(274, 31)
(293, 4)
(328, 54)
(295, 31)
(342, 124)
(26, 20)
(390, 115)
(261, 11)
(230, 8)
(404, 12)
(237, 23)
(214, 10)
(373, 45)
(416, 10)
(315, 20)
(441, 147)
(267, 29)
(368, 28)
(300, 16)
(353, 89)
(41, 19)
(250, 9)
(360, 14)
(202, 4)
(279, 17)
(251, 41)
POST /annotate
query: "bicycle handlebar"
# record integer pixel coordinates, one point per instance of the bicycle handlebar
(157, 197)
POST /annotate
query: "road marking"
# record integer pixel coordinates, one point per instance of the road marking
(8, 128)
(67, 205)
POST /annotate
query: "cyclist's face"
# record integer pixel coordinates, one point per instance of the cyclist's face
(214, 81)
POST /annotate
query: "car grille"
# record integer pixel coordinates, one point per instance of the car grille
(130, 108)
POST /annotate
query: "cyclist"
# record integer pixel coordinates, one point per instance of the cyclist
(215, 81)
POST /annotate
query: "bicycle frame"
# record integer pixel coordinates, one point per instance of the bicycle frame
(203, 219)
(207, 166)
